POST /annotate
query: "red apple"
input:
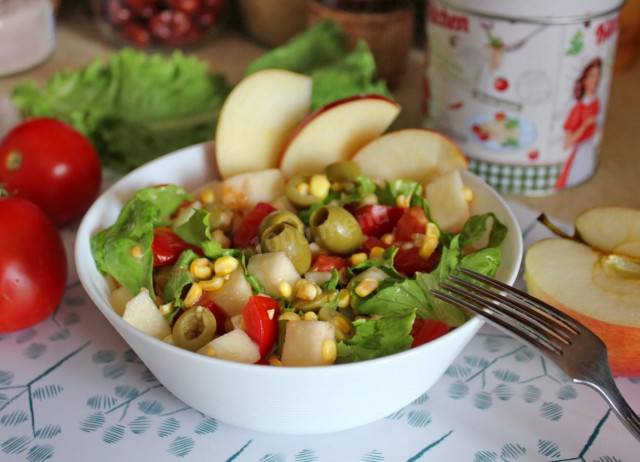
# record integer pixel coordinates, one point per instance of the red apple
(336, 132)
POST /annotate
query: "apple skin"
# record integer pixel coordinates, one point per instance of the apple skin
(335, 132)
(553, 273)
(256, 119)
(412, 154)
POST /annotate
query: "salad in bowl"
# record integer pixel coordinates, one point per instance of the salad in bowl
(225, 273)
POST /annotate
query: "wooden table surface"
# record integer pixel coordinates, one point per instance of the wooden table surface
(617, 181)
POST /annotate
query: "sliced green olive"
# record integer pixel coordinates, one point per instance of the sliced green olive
(343, 171)
(344, 327)
(336, 230)
(283, 237)
(280, 216)
(220, 216)
(298, 198)
(315, 304)
(194, 328)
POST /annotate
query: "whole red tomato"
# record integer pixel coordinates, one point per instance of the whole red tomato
(33, 265)
(52, 164)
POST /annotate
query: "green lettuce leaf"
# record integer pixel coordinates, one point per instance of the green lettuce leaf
(134, 107)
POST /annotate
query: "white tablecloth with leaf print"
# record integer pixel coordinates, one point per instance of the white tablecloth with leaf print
(72, 390)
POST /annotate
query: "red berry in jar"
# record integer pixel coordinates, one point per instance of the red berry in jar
(187, 6)
(135, 34)
(169, 25)
(142, 8)
(116, 13)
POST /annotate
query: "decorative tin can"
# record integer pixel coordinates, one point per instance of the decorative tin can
(522, 86)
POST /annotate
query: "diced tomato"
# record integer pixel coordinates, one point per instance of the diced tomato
(377, 219)
(260, 316)
(247, 233)
(219, 314)
(425, 330)
(414, 221)
(167, 247)
(408, 261)
(501, 116)
(370, 242)
(327, 263)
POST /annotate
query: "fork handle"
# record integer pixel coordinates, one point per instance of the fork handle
(609, 390)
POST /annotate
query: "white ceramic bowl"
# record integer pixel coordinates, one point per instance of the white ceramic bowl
(256, 397)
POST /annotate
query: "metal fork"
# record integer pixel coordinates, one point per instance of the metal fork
(572, 346)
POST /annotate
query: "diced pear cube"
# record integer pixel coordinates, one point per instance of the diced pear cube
(272, 269)
(234, 293)
(233, 346)
(308, 343)
(144, 315)
(447, 202)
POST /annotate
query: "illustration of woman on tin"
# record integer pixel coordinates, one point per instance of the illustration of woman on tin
(581, 127)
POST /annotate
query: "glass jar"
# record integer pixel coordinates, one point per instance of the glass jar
(386, 25)
(27, 34)
(158, 24)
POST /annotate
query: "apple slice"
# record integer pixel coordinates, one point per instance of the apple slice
(336, 132)
(256, 119)
(411, 154)
(447, 201)
(611, 229)
(572, 277)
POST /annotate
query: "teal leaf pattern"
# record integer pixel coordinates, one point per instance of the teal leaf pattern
(458, 390)
(47, 392)
(531, 394)
(485, 456)
(493, 344)
(482, 400)
(168, 427)
(16, 444)
(506, 376)
(92, 422)
(150, 407)
(62, 334)
(48, 432)
(113, 371)
(140, 425)
(504, 392)
(6, 377)
(14, 418)
(103, 356)
(113, 433)
(206, 426)
(306, 455)
(372, 456)
(567, 392)
(35, 350)
(100, 402)
(181, 446)
(40, 452)
(419, 418)
(278, 457)
(26, 335)
(551, 411)
(512, 452)
(126, 392)
(549, 449)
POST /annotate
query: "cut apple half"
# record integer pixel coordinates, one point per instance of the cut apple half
(611, 229)
(336, 132)
(256, 119)
(412, 154)
(574, 278)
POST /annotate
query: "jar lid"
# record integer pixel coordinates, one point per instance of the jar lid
(539, 11)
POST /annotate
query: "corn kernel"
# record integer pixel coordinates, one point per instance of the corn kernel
(210, 351)
(376, 252)
(195, 292)
(310, 316)
(274, 361)
(166, 308)
(319, 186)
(211, 285)
(388, 238)
(329, 351)
(207, 196)
(307, 291)
(225, 265)
(220, 237)
(403, 201)
(285, 289)
(288, 316)
(467, 193)
(344, 298)
(200, 268)
(135, 251)
(430, 242)
(357, 258)
(302, 188)
(366, 287)
(369, 199)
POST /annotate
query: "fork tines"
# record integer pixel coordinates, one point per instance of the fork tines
(509, 308)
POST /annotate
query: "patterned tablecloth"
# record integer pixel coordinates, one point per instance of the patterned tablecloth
(72, 390)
